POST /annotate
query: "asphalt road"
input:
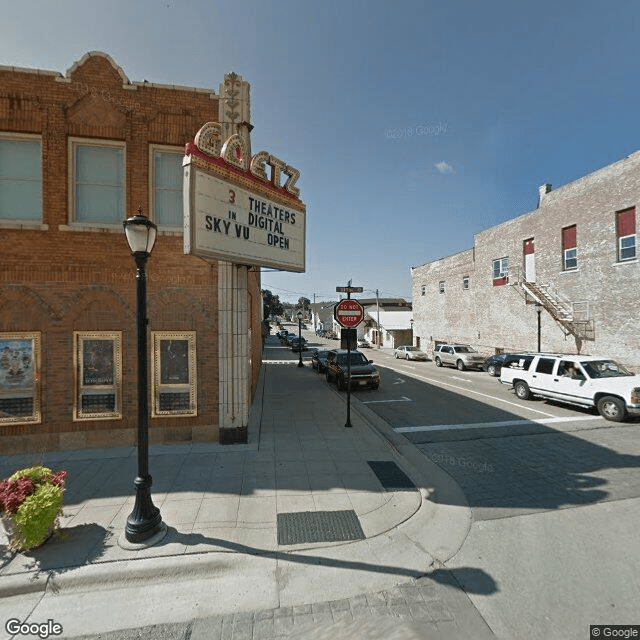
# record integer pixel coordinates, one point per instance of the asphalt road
(554, 492)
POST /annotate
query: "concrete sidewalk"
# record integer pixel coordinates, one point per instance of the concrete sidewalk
(304, 513)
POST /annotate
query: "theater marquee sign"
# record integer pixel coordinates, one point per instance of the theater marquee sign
(240, 209)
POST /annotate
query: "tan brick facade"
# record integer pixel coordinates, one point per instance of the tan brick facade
(592, 308)
(57, 277)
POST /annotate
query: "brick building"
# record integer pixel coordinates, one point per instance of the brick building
(79, 153)
(568, 270)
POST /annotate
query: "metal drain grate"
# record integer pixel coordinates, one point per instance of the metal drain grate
(391, 476)
(318, 526)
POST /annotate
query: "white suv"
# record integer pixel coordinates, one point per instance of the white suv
(458, 355)
(586, 381)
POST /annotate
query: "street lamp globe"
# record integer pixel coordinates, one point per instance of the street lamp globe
(140, 232)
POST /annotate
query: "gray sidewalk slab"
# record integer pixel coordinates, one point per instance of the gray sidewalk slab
(226, 502)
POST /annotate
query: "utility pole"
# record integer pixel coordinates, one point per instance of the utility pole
(378, 333)
(313, 314)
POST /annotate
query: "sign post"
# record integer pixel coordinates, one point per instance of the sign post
(349, 314)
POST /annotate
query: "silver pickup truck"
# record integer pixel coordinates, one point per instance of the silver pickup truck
(585, 381)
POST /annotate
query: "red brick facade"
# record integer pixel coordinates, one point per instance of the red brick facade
(57, 277)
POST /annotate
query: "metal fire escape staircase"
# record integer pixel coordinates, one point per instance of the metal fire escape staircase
(572, 317)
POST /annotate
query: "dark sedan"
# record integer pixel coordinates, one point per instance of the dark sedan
(298, 344)
(319, 360)
(493, 364)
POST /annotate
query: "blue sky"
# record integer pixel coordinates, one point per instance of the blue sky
(414, 124)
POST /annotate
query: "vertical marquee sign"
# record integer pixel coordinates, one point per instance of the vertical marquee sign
(237, 211)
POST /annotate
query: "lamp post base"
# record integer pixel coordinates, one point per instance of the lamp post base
(145, 520)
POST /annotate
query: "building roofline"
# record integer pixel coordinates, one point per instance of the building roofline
(126, 83)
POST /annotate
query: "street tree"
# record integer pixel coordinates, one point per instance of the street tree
(272, 304)
(304, 304)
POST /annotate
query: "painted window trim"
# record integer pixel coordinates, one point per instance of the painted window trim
(566, 259)
(153, 149)
(503, 274)
(635, 247)
(19, 223)
(73, 143)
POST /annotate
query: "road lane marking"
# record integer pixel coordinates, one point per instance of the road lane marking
(485, 425)
(483, 395)
(403, 399)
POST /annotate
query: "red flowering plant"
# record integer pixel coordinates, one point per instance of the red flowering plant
(30, 505)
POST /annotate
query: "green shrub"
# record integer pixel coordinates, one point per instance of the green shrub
(32, 499)
(37, 515)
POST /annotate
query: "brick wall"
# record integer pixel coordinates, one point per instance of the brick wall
(601, 289)
(57, 279)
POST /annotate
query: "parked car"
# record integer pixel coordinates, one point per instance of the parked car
(363, 373)
(363, 344)
(298, 344)
(319, 360)
(461, 356)
(493, 364)
(585, 381)
(409, 352)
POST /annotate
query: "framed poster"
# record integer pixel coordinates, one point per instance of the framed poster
(98, 375)
(20, 378)
(174, 374)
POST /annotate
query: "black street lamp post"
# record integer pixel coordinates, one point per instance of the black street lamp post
(299, 316)
(539, 311)
(145, 520)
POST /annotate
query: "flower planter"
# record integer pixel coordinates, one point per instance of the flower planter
(30, 506)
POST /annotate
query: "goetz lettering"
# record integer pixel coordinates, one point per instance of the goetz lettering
(40, 629)
(233, 151)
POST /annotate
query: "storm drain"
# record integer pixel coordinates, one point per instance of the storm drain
(318, 526)
(391, 476)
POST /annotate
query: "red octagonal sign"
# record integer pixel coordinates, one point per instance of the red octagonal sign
(348, 313)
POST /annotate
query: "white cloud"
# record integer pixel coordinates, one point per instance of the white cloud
(443, 167)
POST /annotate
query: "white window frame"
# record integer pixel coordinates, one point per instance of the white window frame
(465, 282)
(25, 222)
(567, 258)
(503, 268)
(423, 290)
(74, 143)
(621, 248)
(153, 149)
(441, 286)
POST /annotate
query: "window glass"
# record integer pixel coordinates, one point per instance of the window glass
(99, 184)
(168, 189)
(500, 268)
(20, 180)
(627, 248)
(545, 365)
(571, 259)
